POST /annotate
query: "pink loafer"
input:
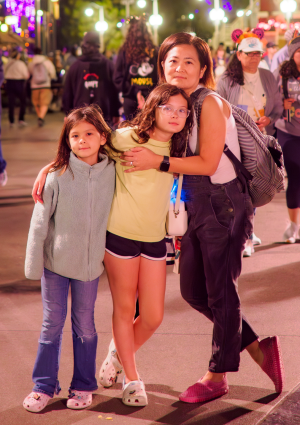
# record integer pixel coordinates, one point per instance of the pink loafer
(272, 364)
(208, 390)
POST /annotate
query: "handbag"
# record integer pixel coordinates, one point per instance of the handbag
(177, 218)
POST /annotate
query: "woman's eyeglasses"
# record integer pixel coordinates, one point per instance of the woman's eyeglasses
(170, 110)
(253, 54)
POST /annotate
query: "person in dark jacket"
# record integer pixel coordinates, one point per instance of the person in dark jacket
(89, 80)
(135, 73)
(3, 173)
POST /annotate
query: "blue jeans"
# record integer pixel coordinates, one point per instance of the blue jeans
(55, 290)
(2, 160)
(220, 222)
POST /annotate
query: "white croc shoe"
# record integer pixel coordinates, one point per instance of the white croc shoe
(110, 368)
(79, 399)
(291, 233)
(36, 402)
(134, 393)
(256, 240)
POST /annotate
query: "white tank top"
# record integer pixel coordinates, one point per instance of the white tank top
(225, 171)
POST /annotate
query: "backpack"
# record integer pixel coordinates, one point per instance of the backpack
(261, 155)
(39, 73)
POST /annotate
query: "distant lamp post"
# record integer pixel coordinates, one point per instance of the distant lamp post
(127, 4)
(225, 19)
(11, 20)
(240, 13)
(216, 15)
(288, 7)
(101, 26)
(191, 16)
(155, 20)
(141, 3)
(4, 28)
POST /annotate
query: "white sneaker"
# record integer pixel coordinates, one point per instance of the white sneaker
(111, 367)
(3, 178)
(36, 402)
(249, 249)
(79, 399)
(255, 240)
(134, 393)
(290, 234)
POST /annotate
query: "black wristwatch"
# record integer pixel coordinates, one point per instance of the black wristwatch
(165, 164)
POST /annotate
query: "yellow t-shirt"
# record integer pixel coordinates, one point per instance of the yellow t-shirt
(141, 199)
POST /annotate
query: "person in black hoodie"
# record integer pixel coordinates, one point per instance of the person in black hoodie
(135, 72)
(89, 80)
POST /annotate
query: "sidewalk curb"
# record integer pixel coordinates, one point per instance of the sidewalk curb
(277, 416)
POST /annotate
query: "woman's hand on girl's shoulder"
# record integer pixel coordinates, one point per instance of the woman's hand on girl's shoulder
(39, 184)
(140, 159)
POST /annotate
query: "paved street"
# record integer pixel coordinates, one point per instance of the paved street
(177, 355)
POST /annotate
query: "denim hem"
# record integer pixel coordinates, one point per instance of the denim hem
(38, 390)
(84, 389)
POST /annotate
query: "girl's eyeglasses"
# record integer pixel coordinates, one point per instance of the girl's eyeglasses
(253, 54)
(169, 110)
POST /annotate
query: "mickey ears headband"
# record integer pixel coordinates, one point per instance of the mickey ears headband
(296, 36)
(238, 35)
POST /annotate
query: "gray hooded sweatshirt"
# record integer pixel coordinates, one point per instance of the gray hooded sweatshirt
(67, 232)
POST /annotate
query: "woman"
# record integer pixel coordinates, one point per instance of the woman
(220, 218)
(288, 132)
(135, 73)
(16, 74)
(251, 88)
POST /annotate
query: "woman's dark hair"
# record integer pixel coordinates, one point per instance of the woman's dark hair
(138, 43)
(91, 114)
(14, 53)
(37, 50)
(144, 120)
(289, 69)
(235, 70)
(204, 55)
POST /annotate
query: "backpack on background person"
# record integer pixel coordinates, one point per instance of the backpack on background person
(39, 73)
(262, 160)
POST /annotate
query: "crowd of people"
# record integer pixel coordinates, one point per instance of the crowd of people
(105, 182)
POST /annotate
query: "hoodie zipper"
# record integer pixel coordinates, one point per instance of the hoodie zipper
(89, 221)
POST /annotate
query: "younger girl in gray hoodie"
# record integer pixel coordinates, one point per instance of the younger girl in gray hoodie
(65, 248)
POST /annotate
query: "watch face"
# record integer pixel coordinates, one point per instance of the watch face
(165, 165)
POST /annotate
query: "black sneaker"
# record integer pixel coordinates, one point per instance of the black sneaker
(41, 122)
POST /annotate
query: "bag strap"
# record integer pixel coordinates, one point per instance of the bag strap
(179, 186)
(240, 169)
(286, 96)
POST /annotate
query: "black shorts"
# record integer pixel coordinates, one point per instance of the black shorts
(128, 248)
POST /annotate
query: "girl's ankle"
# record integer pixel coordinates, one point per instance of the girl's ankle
(127, 380)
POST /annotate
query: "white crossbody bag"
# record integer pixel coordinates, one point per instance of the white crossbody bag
(177, 219)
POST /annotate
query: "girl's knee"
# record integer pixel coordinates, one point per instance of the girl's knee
(152, 322)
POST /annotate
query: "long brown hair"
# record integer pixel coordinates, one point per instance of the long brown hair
(235, 71)
(138, 43)
(204, 55)
(145, 119)
(91, 114)
(289, 69)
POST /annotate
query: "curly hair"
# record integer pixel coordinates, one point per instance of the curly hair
(91, 114)
(203, 51)
(235, 70)
(289, 69)
(144, 121)
(138, 43)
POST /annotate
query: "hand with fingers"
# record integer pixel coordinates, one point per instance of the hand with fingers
(39, 184)
(139, 159)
